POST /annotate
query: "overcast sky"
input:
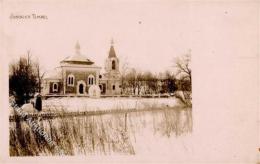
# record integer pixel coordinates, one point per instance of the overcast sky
(149, 34)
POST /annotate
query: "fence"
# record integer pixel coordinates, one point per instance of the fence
(52, 115)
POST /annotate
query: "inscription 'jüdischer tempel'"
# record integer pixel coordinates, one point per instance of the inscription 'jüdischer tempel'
(28, 16)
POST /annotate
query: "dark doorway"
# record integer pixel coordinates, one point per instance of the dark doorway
(81, 88)
(103, 91)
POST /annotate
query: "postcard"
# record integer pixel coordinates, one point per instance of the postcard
(121, 81)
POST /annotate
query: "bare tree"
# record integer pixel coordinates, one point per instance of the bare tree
(131, 78)
(184, 75)
(39, 75)
(151, 82)
(124, 69)
(183, 66)
(139, 81)
(168, 82)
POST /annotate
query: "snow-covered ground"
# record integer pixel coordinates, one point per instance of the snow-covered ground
(91, 104)
(149, 133)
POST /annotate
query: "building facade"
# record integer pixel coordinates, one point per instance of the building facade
(110, 81)
(78, 75)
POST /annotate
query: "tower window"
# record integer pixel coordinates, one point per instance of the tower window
(113, 65)
(114, 87)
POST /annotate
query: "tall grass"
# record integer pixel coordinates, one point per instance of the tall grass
(97, 135)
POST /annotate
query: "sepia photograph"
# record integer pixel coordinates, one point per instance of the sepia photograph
(145, 81)
(75, 109)
(101, 98)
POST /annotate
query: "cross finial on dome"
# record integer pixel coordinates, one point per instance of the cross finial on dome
(77, 47)
(112, 42)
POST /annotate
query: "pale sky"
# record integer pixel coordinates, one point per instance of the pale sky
(149, 34)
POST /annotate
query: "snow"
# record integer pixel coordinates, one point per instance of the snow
(142, 126)
(27, 108)
(92, 104)
(77, 57)
(149, 140)
(53, 74)
(144, 139)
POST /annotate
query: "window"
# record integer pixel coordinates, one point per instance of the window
(113, 65)
(91, 80)
(70, 80)
(114, 87)
(55, 87)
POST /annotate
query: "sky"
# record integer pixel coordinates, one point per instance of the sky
(146, 35)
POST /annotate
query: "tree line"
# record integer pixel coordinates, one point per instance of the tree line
(177, 82)
(25, 78)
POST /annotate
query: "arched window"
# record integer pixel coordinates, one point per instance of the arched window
(113, 65)
(114, 87)
(70, 80)
(55, 87)
(91, 80)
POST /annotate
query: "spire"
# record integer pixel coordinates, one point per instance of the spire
(77, 48)
(112, 52)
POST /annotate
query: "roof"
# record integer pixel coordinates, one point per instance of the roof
(112, 52)
(53, 74)
(78, 58)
